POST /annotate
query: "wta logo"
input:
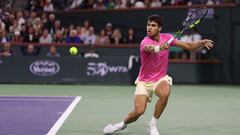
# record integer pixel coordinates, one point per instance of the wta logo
(44, 68)
(102, 69)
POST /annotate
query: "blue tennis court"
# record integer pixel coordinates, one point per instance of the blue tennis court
(34, 115)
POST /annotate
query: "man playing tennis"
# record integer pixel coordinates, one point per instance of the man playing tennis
(153, 76)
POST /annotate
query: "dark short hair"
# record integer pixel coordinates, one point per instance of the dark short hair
(156, 18)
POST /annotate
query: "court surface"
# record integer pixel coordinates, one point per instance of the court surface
(34, 115)
(192, 109)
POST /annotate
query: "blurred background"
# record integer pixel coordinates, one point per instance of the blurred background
(35, 37)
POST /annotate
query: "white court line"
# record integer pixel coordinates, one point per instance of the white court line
(33, 99)
(60, 121)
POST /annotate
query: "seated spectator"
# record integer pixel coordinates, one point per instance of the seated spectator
(58, 37)
(48, 7)
(91, 37)
(6, 51)
(111, 4)
(102, 38)
(75, 4)
(46, 37)
(17, 37)
(66, 32)
(13, 27)
(57, 26)
(31, 37)
(4, 37)
(147, 3)
(73, 38)
(116, 37)
(85, 30)
(53, 52)
(99, 5)
(44, 18)
(87, 4)
(130, 36)
(109, 30)
(60, 4)
(30, 50)
(91, 54)
(156, 3)
(50, 23)
(20, 18)
(2, 26)
(33, 6)
(139, 4)
(120, 4)
(37, 24)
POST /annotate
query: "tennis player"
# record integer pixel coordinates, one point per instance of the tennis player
(153, 77)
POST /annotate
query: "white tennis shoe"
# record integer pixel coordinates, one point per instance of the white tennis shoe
(113, 128)
(153, 130)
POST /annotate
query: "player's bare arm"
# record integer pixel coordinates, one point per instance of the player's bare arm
(195, 45)
(152, 48)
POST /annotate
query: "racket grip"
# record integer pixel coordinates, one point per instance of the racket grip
(170, 41)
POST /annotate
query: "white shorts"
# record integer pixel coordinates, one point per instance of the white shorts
(147, 88)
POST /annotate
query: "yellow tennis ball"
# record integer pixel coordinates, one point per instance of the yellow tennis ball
(73, 50)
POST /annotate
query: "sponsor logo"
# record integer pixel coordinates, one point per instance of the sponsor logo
(44, 68)
(102, 69)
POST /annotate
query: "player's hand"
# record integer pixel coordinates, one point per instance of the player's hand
(207, 43)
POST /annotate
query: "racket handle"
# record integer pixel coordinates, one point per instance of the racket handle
(170, 41)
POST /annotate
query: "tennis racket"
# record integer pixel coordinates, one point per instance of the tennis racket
(190, 22)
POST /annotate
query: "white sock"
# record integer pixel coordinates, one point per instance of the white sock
(153, 122)
(121, 124)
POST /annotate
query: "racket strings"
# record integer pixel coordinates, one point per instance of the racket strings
(195, 18)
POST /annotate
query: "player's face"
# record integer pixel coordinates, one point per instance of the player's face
(152, 29)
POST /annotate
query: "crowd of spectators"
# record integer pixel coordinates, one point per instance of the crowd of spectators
(53, 5)
(42, 27)
(34, 26)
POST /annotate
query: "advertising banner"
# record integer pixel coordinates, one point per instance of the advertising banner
(70, 69)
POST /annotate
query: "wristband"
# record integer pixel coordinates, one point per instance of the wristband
(157, 49)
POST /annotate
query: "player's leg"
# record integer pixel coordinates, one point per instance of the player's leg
(162, 90)
(143, 94)
(140, 103)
